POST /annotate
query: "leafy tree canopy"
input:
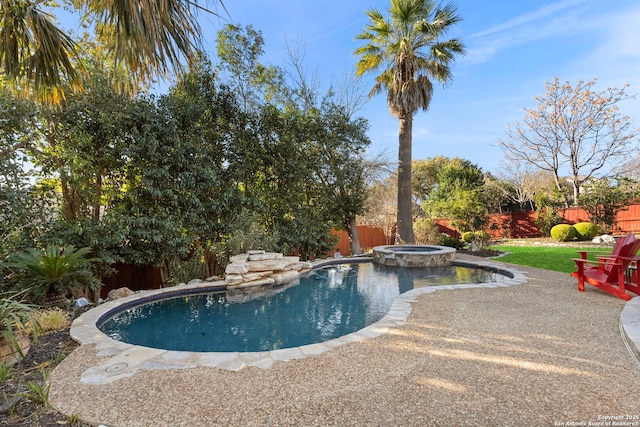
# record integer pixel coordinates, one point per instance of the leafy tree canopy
(458, 195)
(604, 198)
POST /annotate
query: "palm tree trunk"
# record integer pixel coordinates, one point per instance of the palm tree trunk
(405, 208)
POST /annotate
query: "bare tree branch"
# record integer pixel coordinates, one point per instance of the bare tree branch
(576, 127)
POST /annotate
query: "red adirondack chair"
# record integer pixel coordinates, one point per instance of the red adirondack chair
(605, 260)
(615, 273)
(614, 252)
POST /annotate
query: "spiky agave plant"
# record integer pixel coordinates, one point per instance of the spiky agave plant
(51, 272)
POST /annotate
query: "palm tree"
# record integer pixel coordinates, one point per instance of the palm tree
(407, 48)
(148, 37)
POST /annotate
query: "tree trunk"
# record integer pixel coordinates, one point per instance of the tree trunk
(212, 265)
(556, 178)
(95, 210)
(576, 190)
(69, 195)
(405, 208)
(354, 238)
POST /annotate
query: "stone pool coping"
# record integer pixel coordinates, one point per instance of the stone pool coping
(630, 325)
(124, 360)
(413, 255)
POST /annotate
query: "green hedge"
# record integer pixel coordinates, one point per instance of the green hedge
(467, 236)
(586, 230)
(563, 232)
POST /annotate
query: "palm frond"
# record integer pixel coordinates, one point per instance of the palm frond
(32, 47)
(382, 82)
(407, 97)
(150, 36)
(408, 43)
(52, 269)
(444, 18)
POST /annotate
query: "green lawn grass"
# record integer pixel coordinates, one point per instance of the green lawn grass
(556, 258)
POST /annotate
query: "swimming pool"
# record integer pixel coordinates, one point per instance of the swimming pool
(327, 303)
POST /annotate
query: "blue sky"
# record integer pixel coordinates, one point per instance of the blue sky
(513, 48)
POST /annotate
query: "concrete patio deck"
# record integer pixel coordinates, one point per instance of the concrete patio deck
(536, 354)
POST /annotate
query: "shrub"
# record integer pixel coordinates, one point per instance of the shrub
(426, 232)
(563, 232)
(51, 272)
(467, 236)
(53, 319)
(604, 198)
(452, 242)
(481, 238)
(248, 233)
(546, 219)
(586, 230)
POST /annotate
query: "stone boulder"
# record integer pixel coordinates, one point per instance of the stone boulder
(115, 294)
(239, 258)
(283, 277)
(266, 256)
(605, 238)
(233, 279)
(260, 268)
(268, 265)
(237, 268)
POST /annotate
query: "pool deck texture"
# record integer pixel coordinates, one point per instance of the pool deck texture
(536, 354)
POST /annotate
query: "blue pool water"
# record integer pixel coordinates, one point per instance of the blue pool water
(327, 303)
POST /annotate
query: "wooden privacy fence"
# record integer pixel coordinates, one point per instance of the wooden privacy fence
(517, 225)
(500, 226)
(520, 225)
(134, 277)
(627, 221)
(368, 236)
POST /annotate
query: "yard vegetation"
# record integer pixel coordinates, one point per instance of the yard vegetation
(239, 154)
(555, 258)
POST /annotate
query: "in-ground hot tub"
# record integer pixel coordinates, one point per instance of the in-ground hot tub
(414, 255)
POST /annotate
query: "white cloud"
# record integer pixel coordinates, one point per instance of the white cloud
(549, 21)
(528, 17)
